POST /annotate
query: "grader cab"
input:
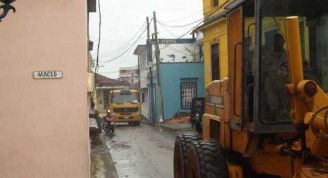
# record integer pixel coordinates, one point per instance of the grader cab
(268, 118)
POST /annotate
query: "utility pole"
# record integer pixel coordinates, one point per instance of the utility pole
(159, 81)
(150, 65)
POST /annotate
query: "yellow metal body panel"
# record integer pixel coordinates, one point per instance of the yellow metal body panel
(240, 138)
(272, 163)
(216, 100)
(120, 117)
(304, 106)
(235, 61)
(126, 111)
(295, 67)
(235, 171)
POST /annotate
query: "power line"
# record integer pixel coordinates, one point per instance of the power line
(168, 31)
(184, 17)
(99, 28)
(184, 34)
(120, 49)
(94, 94)
(109, 55)
(104, 55)
(179, 26)
(200, 22)
(201, 10)
(127, 48)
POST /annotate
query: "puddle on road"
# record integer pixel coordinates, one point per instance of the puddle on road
(141, 152)
(123, 145)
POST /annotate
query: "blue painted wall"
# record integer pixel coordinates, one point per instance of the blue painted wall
(172, 74)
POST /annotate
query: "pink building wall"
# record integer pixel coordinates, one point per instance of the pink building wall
(44, 122)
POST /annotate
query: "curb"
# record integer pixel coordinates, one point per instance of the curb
(167, 128)
(176, 130)
(101, 161)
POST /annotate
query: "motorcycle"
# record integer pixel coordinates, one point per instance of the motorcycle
(108, 126)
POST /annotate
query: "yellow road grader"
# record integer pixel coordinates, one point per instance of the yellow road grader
(269, 117)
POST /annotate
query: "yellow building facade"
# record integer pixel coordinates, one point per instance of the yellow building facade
(215, 39)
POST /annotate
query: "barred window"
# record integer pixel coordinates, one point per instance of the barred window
(188, 92)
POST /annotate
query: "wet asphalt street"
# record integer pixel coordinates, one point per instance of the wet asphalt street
(141, 151)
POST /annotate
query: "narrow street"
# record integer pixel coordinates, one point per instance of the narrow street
(141, 151)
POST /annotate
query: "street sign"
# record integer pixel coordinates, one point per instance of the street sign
(48, 74)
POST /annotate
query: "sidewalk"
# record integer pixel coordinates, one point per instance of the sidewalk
(180, 124)
(102, 165)
(177, 127)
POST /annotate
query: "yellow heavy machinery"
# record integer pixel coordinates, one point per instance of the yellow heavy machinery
(269, 117)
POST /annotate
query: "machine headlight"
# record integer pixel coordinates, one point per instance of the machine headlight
(108, 111)
(197, 117)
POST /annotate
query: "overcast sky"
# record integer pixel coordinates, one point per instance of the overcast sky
(123, 21)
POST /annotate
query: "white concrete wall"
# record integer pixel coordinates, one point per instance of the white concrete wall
(145, 104)
(144, 81)
(44, 122)
(143, 69)
(188, 52)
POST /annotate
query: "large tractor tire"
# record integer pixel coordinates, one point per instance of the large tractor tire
(181, 148)
(206, 160)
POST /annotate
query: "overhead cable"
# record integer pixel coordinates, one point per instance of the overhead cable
(179, 26)
(168, 31)
(126, 50)
(184, 34)
(170, 21)
(120, 49)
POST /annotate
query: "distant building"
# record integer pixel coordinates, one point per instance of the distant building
(131, 75)
(179, 50)
(181, 75)
(103, 86)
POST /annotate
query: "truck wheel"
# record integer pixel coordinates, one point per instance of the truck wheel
(181, 148)
(137, 123)
(206, 160)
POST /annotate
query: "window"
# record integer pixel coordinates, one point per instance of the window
(215, 3)
(142, 97)
(188, 91)
(215, 58)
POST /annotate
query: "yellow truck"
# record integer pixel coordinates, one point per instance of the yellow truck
(125, 106)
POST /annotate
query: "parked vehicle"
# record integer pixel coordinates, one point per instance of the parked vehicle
(108, 125)
(125, 106)
(196, 113)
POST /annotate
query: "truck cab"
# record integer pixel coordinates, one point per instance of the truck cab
(125, 106)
